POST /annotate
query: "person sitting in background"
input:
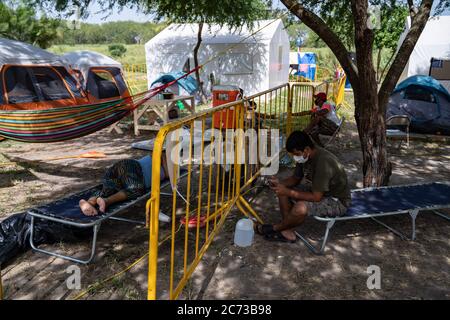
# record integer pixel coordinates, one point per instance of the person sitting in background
(124, 180)
(324, 119)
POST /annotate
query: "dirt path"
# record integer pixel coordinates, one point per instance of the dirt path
(267, 270)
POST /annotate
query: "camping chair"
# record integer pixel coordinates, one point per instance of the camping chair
(398, 121)
(372, 203)
(336, 132)
(66, 211)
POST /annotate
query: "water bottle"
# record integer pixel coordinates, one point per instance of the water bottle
(243, 235)
(163, 217)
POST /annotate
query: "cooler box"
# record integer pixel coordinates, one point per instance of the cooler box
(221, 95)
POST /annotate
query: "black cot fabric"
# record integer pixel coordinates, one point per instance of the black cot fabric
(399, 198)
(69, 209)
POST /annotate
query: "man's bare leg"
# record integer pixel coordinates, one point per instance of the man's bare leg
(104, 203)
(285, 207)
(292, 220)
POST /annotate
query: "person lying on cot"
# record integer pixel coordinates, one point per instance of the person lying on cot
(328, 195)
(124, 180)
(323, 118)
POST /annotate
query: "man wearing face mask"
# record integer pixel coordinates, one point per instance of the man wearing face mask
(328, 195)
(324, 119)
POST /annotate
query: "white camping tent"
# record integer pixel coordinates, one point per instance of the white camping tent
(20, 53)
(254, 63)
(434, 42)
(84, 60)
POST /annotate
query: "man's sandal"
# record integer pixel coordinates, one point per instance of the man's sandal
(278, 237)
(264, 229)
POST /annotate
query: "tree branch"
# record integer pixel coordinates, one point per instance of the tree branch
(386, 66)
(327, 35)
(404, 52)
(412, 9)
(364, 37)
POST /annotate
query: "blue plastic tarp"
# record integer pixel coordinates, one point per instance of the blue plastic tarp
(188, 83)
(307, 57)
(307, 65)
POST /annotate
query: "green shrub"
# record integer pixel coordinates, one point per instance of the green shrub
(117, 50)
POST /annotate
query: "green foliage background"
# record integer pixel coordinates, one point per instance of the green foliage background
(125, 32)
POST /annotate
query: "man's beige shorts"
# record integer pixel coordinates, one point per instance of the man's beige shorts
(327, 207)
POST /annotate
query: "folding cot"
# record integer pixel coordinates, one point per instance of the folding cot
(387, 201)
(67, 211)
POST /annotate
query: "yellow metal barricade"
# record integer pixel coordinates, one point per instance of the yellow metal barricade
(339, 94)
(136, 77)
(219, 162)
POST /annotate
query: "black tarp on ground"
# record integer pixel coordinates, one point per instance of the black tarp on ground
(15, 234)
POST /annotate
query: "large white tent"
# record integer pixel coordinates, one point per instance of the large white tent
(434, 42)
(254, 63)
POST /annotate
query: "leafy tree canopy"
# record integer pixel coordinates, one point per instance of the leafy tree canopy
(21, 23)
(231, 12)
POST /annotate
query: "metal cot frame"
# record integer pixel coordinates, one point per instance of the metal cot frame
(413, 213)
(95, 225)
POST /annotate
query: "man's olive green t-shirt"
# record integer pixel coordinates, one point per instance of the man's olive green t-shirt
(327, 175)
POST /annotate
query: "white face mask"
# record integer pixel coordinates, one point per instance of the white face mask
(300, 159)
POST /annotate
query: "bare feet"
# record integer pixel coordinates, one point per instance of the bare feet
(101, 204)
(87, 208)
